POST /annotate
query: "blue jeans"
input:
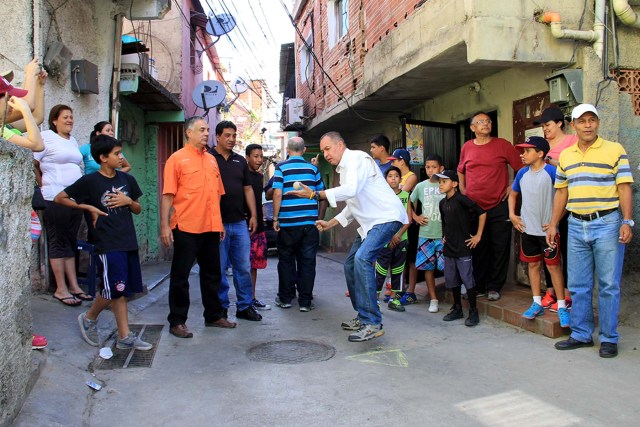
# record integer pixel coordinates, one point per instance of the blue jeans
(360, 273)
(593, 246)
(236, 247)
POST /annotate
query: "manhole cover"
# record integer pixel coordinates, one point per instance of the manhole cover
(290, 352)
(123, 359)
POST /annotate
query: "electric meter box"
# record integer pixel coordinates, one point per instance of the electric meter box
(84, 77)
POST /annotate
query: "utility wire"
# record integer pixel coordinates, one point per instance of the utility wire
(340, 94)
(204, 49)
(238, 51)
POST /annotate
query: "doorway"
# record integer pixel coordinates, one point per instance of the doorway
(422, 138)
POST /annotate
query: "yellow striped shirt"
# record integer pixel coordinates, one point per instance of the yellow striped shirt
(592, 177)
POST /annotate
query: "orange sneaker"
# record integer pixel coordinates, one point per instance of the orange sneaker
(554, 306)
(38, 342)
(548, 300)
(388, 289)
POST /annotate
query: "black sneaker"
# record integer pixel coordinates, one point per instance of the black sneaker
(473, 319)
(249, 313)
(259, 305)
(455, 313)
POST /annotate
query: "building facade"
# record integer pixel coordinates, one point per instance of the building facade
(146, 99)
(417, 71)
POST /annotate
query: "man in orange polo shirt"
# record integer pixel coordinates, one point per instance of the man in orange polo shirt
(193, 186)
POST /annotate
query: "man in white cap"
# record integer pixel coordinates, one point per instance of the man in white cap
(593, 182)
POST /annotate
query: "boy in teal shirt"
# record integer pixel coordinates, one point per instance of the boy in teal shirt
(429, 256)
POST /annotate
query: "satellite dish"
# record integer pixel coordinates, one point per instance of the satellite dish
(239, 85)
(219, 25)
(209, 94)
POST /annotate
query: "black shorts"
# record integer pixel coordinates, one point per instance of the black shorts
(458, 271)
(535, 248)
(412, 239)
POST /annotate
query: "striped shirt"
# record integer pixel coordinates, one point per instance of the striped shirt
(592, 177)
(295, 211)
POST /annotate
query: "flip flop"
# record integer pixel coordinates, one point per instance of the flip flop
(82, 296)
(62, 300)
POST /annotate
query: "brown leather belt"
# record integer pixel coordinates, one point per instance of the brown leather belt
(592, 216)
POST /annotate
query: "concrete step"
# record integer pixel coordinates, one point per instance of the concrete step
(515, 299)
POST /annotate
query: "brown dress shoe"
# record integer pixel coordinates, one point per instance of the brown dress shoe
(180, 331)
(221, 323)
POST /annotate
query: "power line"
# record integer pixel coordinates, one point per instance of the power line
(238, 51)
(340, 95)
(204, 49)
(253, 12)
(249, 44)
(264, 13)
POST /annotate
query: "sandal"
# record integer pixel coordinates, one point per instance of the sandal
(70, 304)
(82, 296)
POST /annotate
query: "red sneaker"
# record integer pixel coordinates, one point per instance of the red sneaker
(346, 294)
(548, 300)
(554, 306)
(38, 342)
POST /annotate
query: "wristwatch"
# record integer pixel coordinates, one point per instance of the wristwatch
(629, 222)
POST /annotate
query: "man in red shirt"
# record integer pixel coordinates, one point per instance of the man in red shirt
(484, 178)
(193, 186)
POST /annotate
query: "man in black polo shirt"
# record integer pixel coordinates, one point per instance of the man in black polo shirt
(236, 245)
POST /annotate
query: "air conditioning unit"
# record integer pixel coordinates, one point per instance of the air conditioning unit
(294, 111)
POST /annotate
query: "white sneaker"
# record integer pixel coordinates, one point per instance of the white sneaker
(433, 306)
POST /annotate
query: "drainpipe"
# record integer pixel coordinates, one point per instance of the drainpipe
(625, 13)
(115, 79)
(595, 36)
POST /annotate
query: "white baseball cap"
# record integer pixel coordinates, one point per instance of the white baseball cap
(583, 108)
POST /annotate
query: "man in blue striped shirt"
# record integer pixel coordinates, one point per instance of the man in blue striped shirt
(294, 220)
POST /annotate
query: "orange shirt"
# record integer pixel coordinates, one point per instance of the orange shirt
(194, 179)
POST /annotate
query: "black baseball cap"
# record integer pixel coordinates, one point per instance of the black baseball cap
(448, 174)
(537, 142)
(549, 114)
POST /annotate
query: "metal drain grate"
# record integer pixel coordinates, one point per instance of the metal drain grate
(123, 359)
(291, 352)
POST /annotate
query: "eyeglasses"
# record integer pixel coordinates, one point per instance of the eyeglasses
(482, 122)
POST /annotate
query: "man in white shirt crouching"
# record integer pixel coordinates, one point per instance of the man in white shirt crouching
(373, 204)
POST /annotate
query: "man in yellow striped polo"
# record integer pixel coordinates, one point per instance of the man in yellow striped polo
(593, 182)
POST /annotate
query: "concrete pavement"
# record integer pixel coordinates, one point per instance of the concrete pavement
(423, 371)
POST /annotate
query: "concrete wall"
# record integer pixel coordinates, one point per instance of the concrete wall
(16, 178)
(497, 93)
(87, 29)
(165, 38)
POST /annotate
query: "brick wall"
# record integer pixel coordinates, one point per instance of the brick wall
(369, 23)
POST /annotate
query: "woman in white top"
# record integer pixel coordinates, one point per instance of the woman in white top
(57, 167)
